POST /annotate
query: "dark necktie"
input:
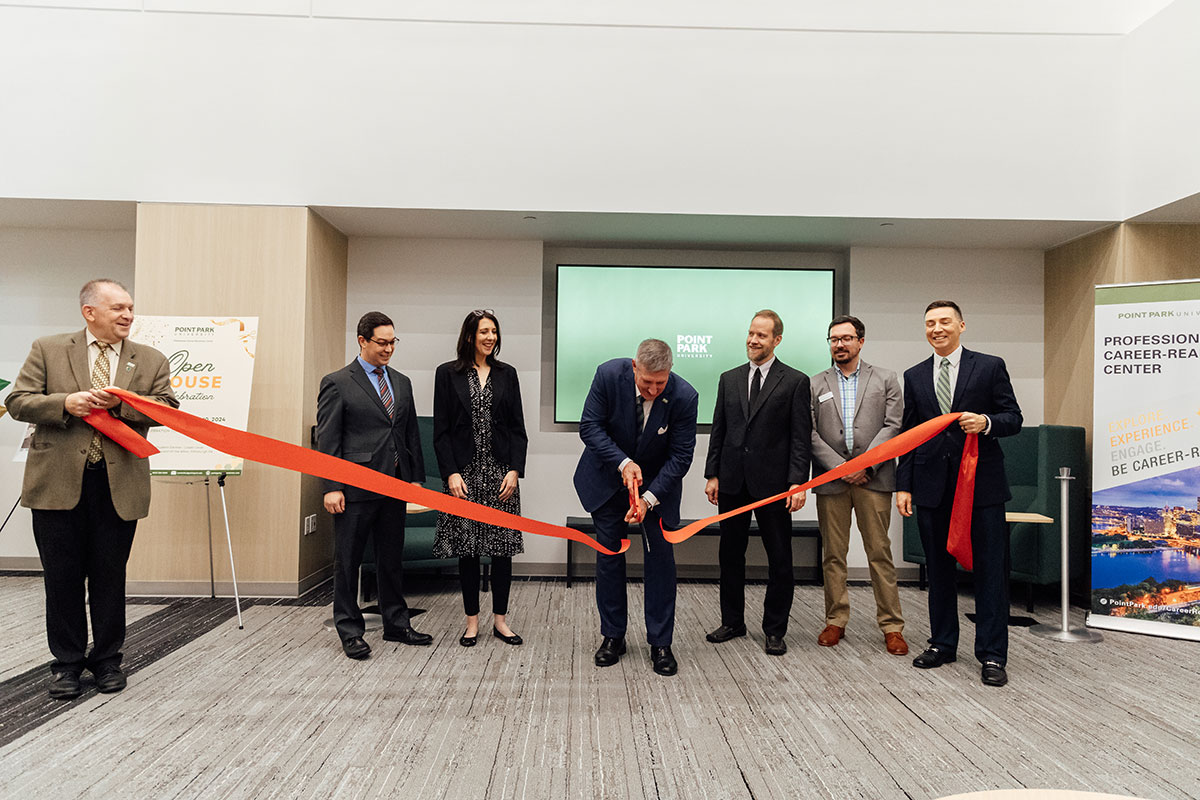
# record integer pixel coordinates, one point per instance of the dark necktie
(641, 414)
(385, 394)
(755, 386)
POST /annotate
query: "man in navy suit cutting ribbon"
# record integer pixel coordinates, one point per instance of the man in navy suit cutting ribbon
(639, 431)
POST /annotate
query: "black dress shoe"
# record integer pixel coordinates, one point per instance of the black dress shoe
(514, 639)
(933, 657)
(993, 674)
(109, 679)
(725, 633)
(356, 648)
(468, 641)
(610, 652)
(776, 646)
(65, 686)
(408, 636)
(663, 661)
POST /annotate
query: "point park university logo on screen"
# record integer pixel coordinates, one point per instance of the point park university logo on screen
(692, 345)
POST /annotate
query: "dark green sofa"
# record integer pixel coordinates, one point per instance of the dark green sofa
(1032, 459)
(419, 528)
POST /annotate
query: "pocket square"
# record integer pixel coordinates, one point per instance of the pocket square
(662, 430)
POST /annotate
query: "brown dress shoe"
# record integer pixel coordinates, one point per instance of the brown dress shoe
(830, 636)
(895, 643)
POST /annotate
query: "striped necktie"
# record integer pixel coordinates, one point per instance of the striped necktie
(944, 395)
(385, 394)
(100, 380)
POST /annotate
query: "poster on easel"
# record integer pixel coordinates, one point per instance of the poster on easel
(212, 368)
(1145, 555)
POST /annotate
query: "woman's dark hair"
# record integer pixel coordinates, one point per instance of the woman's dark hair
(466, 339)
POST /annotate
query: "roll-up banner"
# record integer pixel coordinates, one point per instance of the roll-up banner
(1146, 460)
(212, 366)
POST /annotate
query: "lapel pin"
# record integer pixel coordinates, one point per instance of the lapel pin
(128, 366)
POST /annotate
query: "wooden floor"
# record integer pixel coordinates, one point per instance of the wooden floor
(276, 711)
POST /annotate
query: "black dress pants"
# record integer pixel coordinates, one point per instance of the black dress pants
(468, 577)
(992, 561)
(775, 526)
(86, 546)
(384, 518)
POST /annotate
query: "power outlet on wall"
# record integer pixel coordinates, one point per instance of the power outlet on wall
(310, 524)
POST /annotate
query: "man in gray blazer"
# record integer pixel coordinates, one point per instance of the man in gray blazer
(86, 492)
(365, 414)
(856, 407)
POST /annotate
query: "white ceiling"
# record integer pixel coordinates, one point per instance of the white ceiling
(633, 230)
(693, 230)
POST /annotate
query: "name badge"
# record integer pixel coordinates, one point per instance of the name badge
(824, 397)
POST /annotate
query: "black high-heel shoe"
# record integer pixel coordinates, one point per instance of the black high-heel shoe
(514, 639)
(468, 641)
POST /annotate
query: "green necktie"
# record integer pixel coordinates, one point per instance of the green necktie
(944, 396)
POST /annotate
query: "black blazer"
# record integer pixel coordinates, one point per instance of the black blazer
(764, 449)
(453, 441)
(353, 424)
(983, 387)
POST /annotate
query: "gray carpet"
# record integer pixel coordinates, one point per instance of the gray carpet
(277, 711)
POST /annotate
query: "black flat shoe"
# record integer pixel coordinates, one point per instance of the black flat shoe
(933, 657)
(468, 641)
(610, 652)
(514, 639)
(775, 646)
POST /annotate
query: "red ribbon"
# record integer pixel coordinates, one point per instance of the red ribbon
(892, 448)
(958, 543)
(265, 450)
(119, 432)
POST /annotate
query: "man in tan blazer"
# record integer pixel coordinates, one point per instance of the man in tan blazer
(856, 407)
(87, 492)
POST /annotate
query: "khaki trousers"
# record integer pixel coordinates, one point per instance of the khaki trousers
(873, 511)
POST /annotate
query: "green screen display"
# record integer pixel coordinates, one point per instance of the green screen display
(603, 312)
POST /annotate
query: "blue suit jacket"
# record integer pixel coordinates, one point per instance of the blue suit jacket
(983, 387)
(608, 428)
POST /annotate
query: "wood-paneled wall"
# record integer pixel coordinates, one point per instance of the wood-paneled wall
(1125, 253)
(245, 261)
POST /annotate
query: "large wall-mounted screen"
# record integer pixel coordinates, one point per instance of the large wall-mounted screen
(603, 312)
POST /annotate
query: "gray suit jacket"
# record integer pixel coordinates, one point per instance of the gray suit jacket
(879, 410)
(56, 367)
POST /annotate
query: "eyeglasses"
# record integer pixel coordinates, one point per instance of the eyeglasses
(482, 312)
(385, 342)
(841, 340)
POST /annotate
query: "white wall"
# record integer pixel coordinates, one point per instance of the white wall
(428, 286)
(41, 272)
(1160, 115)
(594, 117)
